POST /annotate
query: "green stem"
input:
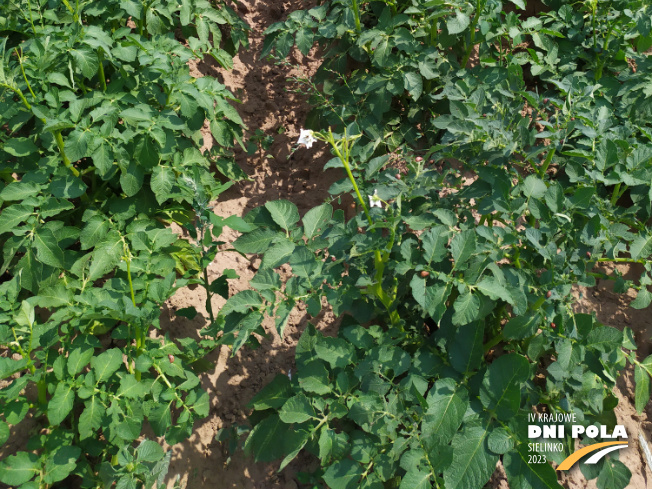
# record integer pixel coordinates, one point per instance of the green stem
(621, 260)
(31, 19)
(601, 58)
(22, 69)
(433, 32)
(547, 162)
(356, 15)
(379, 260)
(59, 139)
(209, 305)
(140, 336)
(100, 69)
(474, 23)
(42, 392)
(18, 92)
(493, 342)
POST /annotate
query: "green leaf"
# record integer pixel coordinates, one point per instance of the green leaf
(263, 441)
(106, 256)
(521, 327)
(641, 247)
(519, 3)
(434, 243)
(473, 463)
(293, 444)
(457, 24)
(490, 287)
(614, 475)
(94, 232)
(431, 298)
(160, 418)
(303, 263)
(9, 366)
(643, 299)
(47, 248)
(19, 191)
(467, 350)
(149, 451)
(238, 224)
(78, 359)
(284, 213)
(246, 326)
(277, 254)
(90, 419)
(20, 147)
(4, 432)
(297, 409)
(131, 388)
(131, 180)
(67, 187)
(162, 182)
(103, 157)
(500, 441)
(61, 403)
(86, 60)
(605, 339)
(242, 302)
(414, 85)
(273, 395)
(524, 475)
(315, 219)
(533, 186)
(447, 403)
(332, 445)
(467, 307)
(344, 474)
(642, 391)
(105, 364)
(462, 246)
(256, 241)
(416, 479)
(313, 377)
(60, 464)
(647, 365)
(19, 468)
(202, 405)
(501, 387)
(336, 351)
(13, 215)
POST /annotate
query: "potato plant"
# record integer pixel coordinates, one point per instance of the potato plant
(468, 293)
(387, 63)
(455, 279)
(99, 151)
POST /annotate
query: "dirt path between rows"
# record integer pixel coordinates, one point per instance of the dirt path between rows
(201, 461)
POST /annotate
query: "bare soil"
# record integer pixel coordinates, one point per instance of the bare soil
(268, 104)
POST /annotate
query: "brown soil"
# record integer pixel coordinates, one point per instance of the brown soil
(202, 462)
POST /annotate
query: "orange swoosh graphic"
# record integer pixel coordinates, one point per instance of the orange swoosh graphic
(575, 456)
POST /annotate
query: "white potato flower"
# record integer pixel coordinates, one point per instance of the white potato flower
(374, 200)
(306, 137)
